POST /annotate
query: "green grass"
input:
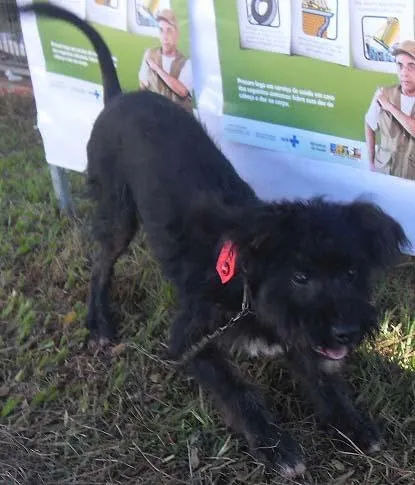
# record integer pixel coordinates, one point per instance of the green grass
(72, 416)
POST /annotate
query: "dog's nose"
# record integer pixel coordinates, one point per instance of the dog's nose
(344, 334)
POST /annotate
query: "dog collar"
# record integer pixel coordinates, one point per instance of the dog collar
(225, 266)
(226, 262)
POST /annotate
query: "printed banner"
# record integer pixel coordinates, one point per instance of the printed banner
(150, 44)
(305, 98)
(333, 96)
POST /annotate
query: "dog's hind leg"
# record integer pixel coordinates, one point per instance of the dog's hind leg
(114, 225)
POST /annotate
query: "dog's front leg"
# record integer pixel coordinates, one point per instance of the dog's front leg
(332, 400)
(244, 410)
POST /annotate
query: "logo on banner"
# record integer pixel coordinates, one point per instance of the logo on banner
(345, 151)
(294, 141)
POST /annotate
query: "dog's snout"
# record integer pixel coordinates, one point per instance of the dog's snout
(344, 334)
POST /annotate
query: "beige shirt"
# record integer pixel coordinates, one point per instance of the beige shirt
(372, 115)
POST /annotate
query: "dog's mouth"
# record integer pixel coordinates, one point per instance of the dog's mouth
(333, 354)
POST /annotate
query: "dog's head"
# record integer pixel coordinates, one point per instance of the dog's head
(309, 266)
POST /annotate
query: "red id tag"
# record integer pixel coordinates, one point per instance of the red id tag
(226, 263)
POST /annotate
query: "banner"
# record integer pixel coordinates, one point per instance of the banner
(292, 121)
(150, 44)
(302, 77)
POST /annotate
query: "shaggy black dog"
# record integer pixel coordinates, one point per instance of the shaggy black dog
(301, 269)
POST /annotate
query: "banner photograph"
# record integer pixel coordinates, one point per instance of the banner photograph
(149, 41)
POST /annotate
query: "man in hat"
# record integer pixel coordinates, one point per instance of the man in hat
(165, 69)
(392, 115)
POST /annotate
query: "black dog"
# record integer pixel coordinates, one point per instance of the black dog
(303, 268)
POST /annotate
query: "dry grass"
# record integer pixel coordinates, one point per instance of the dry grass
(68, 416)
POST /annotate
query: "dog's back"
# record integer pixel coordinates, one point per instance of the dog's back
(163, 154)
(147, 149)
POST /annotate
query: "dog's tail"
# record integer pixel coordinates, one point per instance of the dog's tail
(110, 79)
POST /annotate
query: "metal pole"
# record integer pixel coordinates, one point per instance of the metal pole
(62, 190)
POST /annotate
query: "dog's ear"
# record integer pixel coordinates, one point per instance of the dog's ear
(383, 238)
(263, 233)
(209, 214)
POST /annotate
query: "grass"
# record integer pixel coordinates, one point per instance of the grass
(71, 416)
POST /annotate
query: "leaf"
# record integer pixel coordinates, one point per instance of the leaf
(118, 349)
(69, 318)
(19, 376)
(9, 406)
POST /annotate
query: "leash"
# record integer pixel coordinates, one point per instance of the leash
(204, 341)
(225, 266)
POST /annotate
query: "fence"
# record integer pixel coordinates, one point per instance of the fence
(12, 51)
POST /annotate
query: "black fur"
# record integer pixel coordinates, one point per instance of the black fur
(307, 264)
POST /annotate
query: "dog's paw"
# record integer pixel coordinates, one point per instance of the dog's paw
(289, 471)
(99, 342)
(374, 447)
(279, 454)
(102, 330)
(100, 333)
(366, 436)
(96, 343)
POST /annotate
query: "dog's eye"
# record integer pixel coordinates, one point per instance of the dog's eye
(300, 278)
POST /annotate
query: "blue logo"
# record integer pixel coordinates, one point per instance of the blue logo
(293, 140)
(96, 93)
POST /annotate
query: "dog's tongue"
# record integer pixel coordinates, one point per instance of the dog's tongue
(336, 354)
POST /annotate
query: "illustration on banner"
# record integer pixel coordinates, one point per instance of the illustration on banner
(112, 13)
(108, 3)
(265, 25)
(136, 16)
(142, 16)
(265, 13)
(380, 35)
(320, 18)
(377, 29)
(146, 12)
